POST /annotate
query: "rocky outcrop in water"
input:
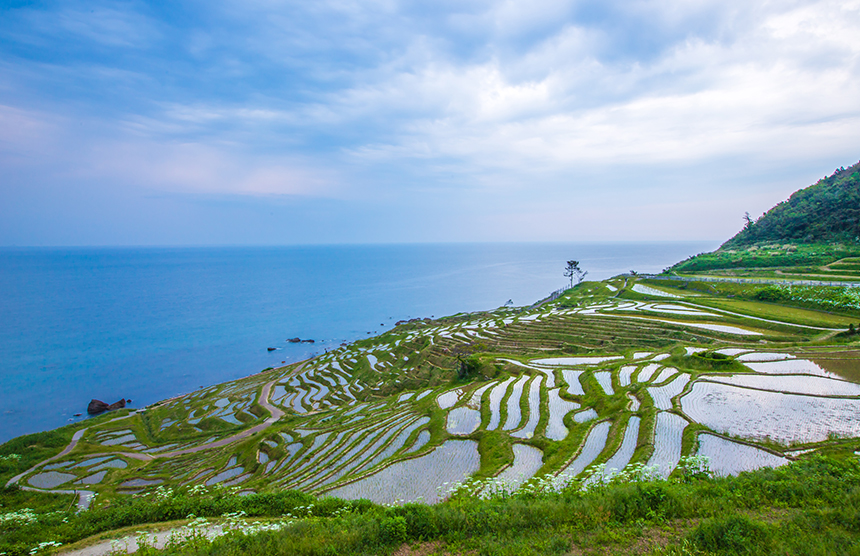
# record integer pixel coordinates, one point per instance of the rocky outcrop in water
(97, 406)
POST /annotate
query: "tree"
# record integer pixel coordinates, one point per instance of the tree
(573, 272)
(749, 221)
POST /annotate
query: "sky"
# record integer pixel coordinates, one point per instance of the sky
(225, 122)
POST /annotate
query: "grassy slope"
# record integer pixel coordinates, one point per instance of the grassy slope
(810, 507)
(816, 226)
(568, 521)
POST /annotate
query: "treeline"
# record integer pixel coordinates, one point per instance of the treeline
(828, 211)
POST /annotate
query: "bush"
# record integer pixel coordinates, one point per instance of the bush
(392, 530)
(736, 534)
(772, 294)
(651, 501)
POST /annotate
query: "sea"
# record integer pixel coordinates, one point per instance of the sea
(147, 324)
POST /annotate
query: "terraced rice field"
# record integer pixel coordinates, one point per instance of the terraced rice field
(591, 449)
(387, 419)
(420, 479)
(730, 458)
(527, 460)
(780, 417)
(668, 435)
(622, 457)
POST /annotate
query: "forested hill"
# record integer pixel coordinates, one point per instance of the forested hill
(828, 211)
(816, 226)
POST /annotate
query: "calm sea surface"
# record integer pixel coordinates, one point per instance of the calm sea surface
(148, 324)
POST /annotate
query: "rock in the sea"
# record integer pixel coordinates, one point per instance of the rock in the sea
(307, 341)
(294, 340)
(97, 406)
(271, 349)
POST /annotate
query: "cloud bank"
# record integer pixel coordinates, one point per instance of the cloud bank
(340, 121)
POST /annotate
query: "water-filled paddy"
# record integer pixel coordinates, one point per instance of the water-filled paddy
(647, 290)
(50, 479)
(668, 433)
(224, 475)
(534, 410)
(418, 479)
(93, 479)
(634, 402)
(604, 379)
(549, 374)
(790, 367)
(595, 442)
(796, 384)
(731, 458)
(621, 458)
(527, 460)
(448, 399)
(646, 372)
(513, 410)
(662, 395)
(574, 387)
(625, 374)
(558, 408)
(573, 361)
(585, 415)
(724, 328)
(463, 420)
(758, 414)
(664, 375)
(764, 356)
(420, 442)
(496, 395)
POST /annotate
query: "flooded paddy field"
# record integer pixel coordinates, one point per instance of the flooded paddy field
(780, 417)
(419, 479)
(668, 436)
(399, 417)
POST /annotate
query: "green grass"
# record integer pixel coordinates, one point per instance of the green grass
(796, 315)
(434, 365)
(767, 255)
(811, 507)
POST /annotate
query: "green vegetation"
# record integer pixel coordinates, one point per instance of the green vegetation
(786, 257)
(371, 405)
(780, 302)
(825, 212)
(816, 232)
(808, 508)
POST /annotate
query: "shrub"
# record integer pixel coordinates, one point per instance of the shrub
(392, 530)
(772, 294)
(735, 534)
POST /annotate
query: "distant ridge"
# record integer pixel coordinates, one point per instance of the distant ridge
(828, 211)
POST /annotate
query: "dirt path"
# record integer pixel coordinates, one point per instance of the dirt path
(85, 496)
(275, 414)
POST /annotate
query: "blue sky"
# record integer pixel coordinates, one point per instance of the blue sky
(267, 122)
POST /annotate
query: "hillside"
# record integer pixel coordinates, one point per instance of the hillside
(627, 374)
(816, 226)
(826, 212)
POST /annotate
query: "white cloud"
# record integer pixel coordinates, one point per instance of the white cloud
(432, 106)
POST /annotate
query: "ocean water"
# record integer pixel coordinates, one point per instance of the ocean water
(147, 323)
